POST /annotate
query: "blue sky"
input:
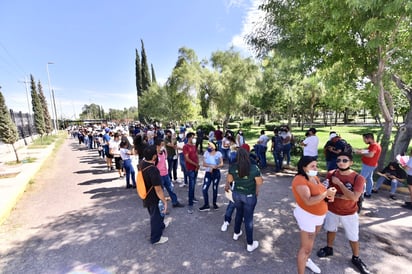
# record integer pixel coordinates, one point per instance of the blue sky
(92, 44)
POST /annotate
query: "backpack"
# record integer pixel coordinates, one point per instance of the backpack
(140, 185)
(347, 147)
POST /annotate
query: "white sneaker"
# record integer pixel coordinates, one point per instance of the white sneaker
(162, 240)
(224, 226)
(236, 236)
(253, 246)
(312, 266)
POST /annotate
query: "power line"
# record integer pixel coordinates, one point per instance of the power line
(14, 61)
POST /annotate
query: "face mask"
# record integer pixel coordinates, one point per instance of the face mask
(344, 169)
(312, 173)
(194, 141)
(162, 148)
(181, 136)
(209, 149)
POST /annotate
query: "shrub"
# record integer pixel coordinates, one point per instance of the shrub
(206, 128)
(270, 126)
(247, 123)
(234, 125)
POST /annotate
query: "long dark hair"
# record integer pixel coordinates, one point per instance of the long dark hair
(243, 162)
(303, 162)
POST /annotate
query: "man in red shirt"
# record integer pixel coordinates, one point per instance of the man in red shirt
(192, 166)
(370, 158)
(218, 137)
(343, 210)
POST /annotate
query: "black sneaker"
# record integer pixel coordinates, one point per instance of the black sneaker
(360, 265)
(374, 191)
(407, 206)
(178, 205)
(204, 208)
(392, 196)
(325, 252)
(367, 196)
(215, 207)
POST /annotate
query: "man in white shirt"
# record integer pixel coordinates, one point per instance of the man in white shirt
(261, 148)
(310, 144)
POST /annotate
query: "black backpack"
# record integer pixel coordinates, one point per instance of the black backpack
(347, 147)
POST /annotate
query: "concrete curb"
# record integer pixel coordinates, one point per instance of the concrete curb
(11, 189)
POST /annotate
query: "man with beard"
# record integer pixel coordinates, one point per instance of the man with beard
(349, 185)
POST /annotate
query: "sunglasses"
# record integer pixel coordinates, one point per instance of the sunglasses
(342, 160)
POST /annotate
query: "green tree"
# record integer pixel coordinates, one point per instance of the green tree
(365, 35)
(237, 77)
(91, 111)
(138, 73)
(47, 119)
(8, 130)
(146, 81)
(154, 81)
(37, 109)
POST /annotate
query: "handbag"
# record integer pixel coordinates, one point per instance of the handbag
(229, 195)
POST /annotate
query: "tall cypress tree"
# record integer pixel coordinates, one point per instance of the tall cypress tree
(47, 118)
(145, 71)
(8, 129)
(153, 75)
(37, 108)
(138, 74)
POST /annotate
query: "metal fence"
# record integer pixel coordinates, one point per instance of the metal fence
(24, 123)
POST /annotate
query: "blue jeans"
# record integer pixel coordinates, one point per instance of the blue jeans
(261, 153)
(367, 173)
(127, 164)
(286, 152)
(229, 211)
(192, 175)
(245, 207)
(211, 177)
(331, 165)
(278, 156)
(394, 183)
(183, 167)
(172, 167)
(156, 223)
(168, 185)
(219, 145)
(232, 157)
(225, 153)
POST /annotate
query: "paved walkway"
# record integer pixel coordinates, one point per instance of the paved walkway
(78, 217)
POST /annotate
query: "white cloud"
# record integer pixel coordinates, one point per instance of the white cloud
(253, 17)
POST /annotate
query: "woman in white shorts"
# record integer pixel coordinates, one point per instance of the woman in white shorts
(311, 209)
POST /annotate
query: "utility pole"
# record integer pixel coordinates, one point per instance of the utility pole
(52, 103)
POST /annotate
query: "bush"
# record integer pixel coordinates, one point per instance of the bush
(247, 123)
(234, 125)
(206, 128)
(270, 126)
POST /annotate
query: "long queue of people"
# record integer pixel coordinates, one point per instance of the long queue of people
(329, 203)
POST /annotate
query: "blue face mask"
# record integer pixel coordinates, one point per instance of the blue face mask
(209, 149)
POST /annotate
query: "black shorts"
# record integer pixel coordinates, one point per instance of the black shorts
(118, 162)
(409, 180)
(110, 156)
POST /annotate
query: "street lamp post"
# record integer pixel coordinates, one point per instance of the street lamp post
(52, 104)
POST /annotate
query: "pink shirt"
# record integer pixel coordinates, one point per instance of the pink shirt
(161, 165)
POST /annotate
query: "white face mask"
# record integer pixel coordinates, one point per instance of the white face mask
(181, 136)
(194, 141)
(312, 173)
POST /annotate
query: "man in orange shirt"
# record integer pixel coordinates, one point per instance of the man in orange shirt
(370, 158)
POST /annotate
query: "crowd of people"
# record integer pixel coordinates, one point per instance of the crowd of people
(329, 203)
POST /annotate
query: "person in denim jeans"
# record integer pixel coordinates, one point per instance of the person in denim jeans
(181, 142)
(392, 174)
(370, 158)
(248, 181)
(161, 166)
(192, 166)
(127, 164)
(212, 161)
(170, 144)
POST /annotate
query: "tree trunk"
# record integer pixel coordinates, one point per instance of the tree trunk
(404, 134)
(15, 153)
(386, 106)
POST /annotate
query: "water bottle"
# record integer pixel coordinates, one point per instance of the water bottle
(326, 183)
(161, 208)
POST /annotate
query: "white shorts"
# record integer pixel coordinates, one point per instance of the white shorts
(307, 221)
(349, 222)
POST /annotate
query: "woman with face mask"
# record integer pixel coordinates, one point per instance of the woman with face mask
(310, 210)
(212, 161)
